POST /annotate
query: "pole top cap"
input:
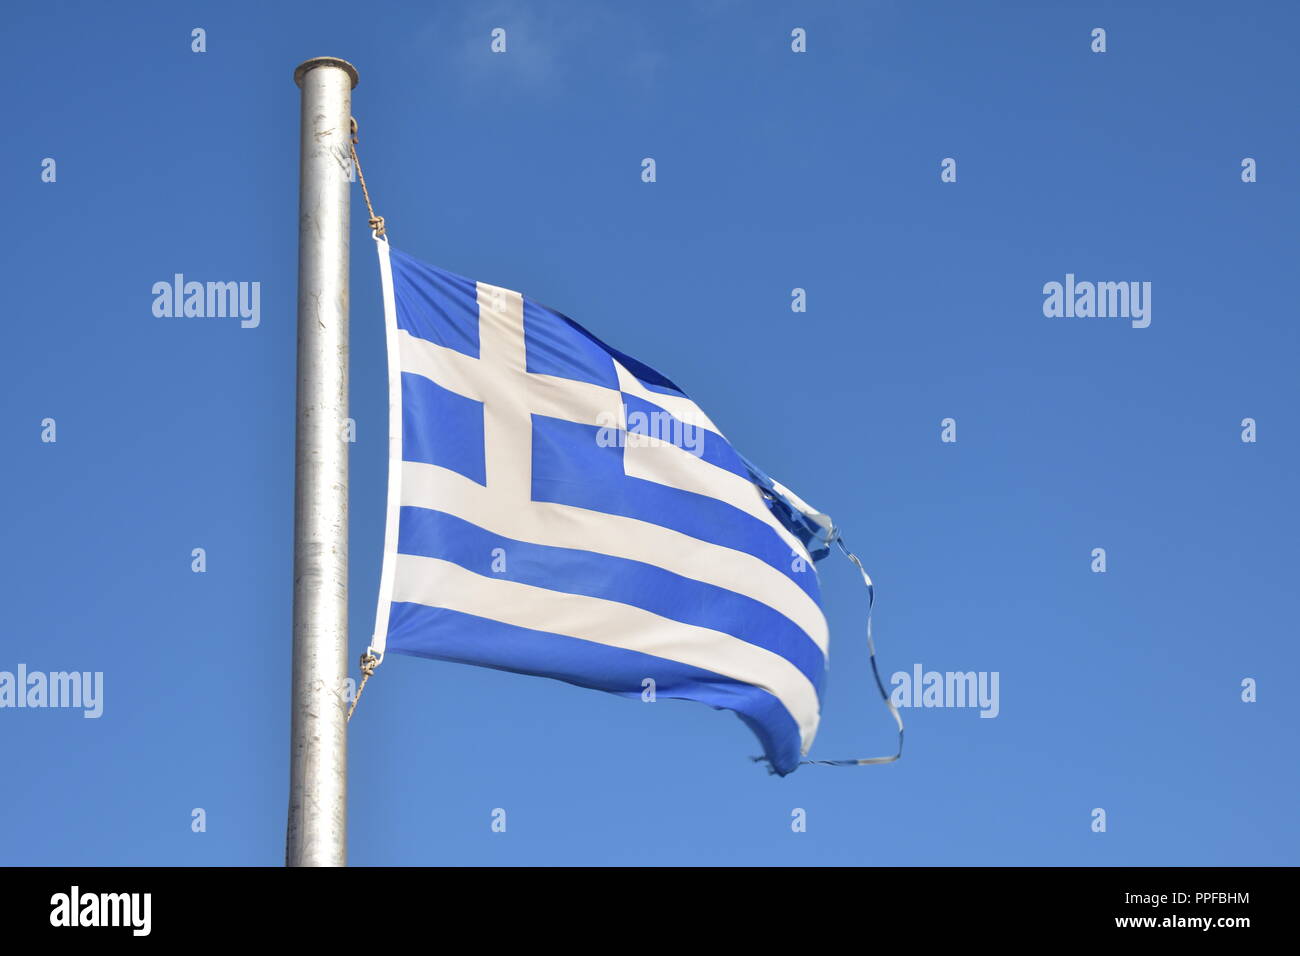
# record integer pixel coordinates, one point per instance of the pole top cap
(334, 61)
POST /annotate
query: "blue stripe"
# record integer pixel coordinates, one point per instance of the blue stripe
(570, 467)
(443, 634)
(553, 348)
(436, 305)
(435, 534)
(442, 427)
(651, 379)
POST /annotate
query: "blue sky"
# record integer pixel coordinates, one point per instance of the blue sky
(775, 170)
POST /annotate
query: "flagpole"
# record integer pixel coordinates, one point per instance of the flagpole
(318, 777)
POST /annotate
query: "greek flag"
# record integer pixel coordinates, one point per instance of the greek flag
(558, 508)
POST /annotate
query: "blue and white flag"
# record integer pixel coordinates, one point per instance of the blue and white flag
(558, 508)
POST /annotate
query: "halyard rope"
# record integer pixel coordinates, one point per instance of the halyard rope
(376, 222)
(368, 664)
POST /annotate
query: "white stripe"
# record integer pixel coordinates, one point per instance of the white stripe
(666, 464)
(564, 526)
(437, 583)
(380, 637)
(450, 369)
(680, 406)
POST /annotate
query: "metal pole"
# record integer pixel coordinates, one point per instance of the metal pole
(318, 777)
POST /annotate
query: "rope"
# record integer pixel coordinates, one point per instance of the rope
(376, 222)
(368, 664)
